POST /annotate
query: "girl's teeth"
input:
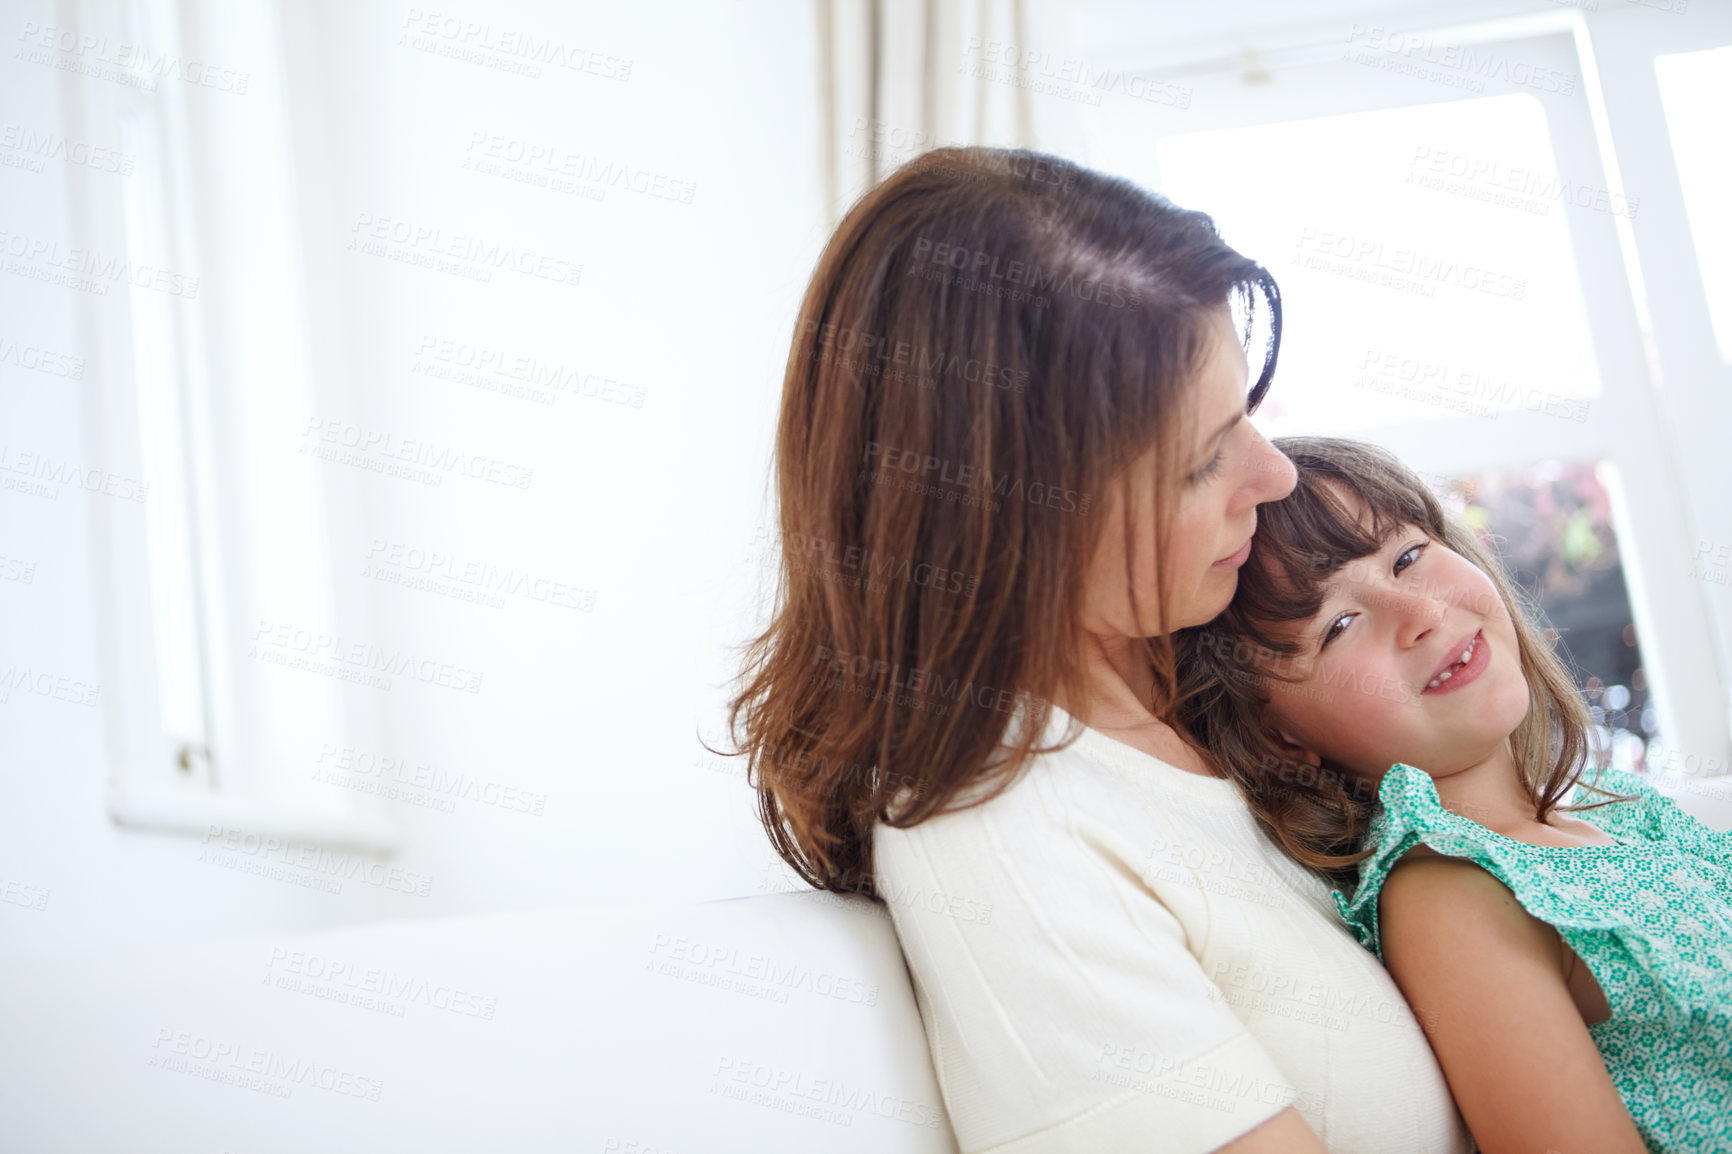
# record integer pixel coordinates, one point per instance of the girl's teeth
(1466, 654)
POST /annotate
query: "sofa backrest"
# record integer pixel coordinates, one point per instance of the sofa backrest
(783, 1022)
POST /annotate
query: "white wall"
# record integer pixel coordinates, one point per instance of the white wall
(648, 508)
(688, 306)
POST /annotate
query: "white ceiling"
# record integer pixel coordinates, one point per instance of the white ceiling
(1139, 33)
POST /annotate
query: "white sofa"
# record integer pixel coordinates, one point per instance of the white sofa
(784, 1022)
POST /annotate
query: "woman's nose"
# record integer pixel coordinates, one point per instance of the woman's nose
(1275, 475)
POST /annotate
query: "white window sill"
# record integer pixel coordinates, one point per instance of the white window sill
(201, 813)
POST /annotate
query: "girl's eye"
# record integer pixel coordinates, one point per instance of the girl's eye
(1410, 555)
(1334, 628)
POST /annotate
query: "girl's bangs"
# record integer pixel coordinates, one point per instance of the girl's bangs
(1307, 537)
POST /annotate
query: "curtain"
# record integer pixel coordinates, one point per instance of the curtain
(901, 77)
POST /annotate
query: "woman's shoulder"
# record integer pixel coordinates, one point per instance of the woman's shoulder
(1054, 797)
(1083, 811)
(1073, 770)
(1036, 800)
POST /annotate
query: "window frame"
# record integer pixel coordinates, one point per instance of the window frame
(1653, 340)
(222, 775)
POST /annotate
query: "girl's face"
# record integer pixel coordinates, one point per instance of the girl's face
(1229, 470)
(1384, 679)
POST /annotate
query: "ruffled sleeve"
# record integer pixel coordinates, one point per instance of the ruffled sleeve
(1410, 813)
(1640, 896)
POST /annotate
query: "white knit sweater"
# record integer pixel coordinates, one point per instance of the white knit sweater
(1112, 956)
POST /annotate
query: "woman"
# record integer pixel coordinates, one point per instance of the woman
(1013, 458)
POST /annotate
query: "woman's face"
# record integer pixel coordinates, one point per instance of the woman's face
(1381, 665)
(1228, 470)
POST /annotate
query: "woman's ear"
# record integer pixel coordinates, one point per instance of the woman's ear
(1292, 749)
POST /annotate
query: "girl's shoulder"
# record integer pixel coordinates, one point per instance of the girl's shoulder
(1411, 824)
(1561, 885)
(1453, 897)
(1629, 806)
(1619, 798)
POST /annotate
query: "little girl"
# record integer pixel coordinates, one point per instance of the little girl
(1402, 728)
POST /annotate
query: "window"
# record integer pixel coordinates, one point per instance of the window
(1697, 89)
(196, 725)
(1465, 281)
(1426, 271)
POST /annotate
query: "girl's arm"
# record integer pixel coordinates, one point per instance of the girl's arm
(1488, 980)
(1285, 1133)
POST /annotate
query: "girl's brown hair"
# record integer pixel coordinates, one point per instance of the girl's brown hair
(1319, 814)
(989, 338)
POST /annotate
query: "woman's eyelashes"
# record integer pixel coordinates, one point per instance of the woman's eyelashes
(1403, 561)
(1207, 471)
(1212, 467)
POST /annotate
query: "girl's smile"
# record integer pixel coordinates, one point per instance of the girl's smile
(1459, 669)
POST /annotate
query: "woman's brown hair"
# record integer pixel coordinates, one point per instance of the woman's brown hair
(1319, 814)
(989, 338)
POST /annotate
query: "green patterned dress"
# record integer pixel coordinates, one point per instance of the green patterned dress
(1651, 917)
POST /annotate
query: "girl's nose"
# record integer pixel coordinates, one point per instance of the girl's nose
(1416, 614)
